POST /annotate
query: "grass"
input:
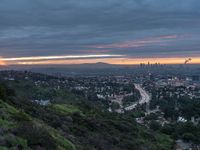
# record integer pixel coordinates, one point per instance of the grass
(5, 124)
(164, 141)
(15, 141)
(7, 108)
(7, 113)
(12, 118)
(64, 109)
(155, 140)
(62, 142)
(3, 148)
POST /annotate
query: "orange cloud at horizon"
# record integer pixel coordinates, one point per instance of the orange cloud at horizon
(170, 60)
(117, 61)
(2, 63)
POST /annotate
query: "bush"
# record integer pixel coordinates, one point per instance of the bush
(2, 92)
(36, 136)
(154, 125)
(188, 137)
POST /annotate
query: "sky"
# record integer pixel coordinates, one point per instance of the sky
(89, 31)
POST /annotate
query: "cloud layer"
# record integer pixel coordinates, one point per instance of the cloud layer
(134, 28)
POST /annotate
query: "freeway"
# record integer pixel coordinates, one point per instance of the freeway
(145, 98)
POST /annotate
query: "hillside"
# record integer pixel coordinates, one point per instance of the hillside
(69, 125)
(20, 131)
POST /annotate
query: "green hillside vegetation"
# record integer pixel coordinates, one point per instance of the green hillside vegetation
(67, 125)
(87, 132)
(20, 131)
(64, 109)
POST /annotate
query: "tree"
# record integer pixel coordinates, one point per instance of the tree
(115, 105)
(2, 92)
(154, 125)
(188, 137)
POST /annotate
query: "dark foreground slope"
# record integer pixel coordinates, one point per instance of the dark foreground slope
(58, 126)
(26, 125)
(18, 130)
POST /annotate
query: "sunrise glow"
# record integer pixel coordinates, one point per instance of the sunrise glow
(80, 59)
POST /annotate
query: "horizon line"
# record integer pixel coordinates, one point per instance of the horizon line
(91, 59)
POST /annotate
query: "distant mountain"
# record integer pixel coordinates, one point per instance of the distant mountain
(92, 65)
(72, 69)
(101, 68)
(71, 66)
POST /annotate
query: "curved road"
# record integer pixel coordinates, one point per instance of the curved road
(145, 97)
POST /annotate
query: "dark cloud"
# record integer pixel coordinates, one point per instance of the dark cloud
(49, 27)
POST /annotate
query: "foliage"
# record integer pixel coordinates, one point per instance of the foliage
(21, 131)
(70, 122)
